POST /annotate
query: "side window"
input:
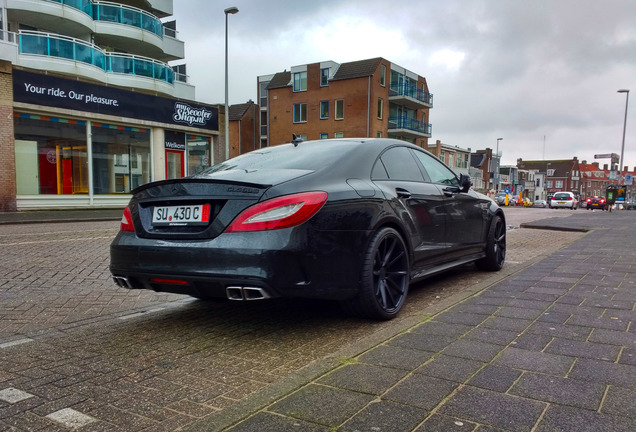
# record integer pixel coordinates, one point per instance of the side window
(437, 171)
(399, 165)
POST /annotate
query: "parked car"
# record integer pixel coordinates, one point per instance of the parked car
(500, 198)
(352, 220)
(596, 202)
(540, 203)
(564, 200)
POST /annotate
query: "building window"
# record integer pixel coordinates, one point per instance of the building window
(263, 94)
(383, 76)
(300, 113)
(324, 77)
(324, 109)
(339, 109)
(324, 135)
(379, 134)
(548, 184)
(338, 135)
(558, 184)
(380, 107)
(300, 81)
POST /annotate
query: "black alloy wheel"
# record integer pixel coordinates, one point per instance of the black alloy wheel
(385, 277)
(495, 247)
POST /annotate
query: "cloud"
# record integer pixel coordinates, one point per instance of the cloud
(522, 70)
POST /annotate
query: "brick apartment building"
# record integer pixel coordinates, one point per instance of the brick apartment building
(365, 98)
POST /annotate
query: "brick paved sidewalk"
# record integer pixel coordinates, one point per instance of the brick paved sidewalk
(552, 348)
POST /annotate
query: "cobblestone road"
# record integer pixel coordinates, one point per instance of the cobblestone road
(138, 360)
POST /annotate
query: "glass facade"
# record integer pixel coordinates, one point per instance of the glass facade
(121, 158)
(51, 155)
(198, 149)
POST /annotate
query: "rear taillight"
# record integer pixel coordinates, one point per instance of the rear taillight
(588, 200)
(281, 212)
(602, 201)
(126, 221)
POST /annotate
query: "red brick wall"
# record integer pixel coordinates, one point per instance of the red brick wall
(7, 144)
(353, 91)
(247, 129)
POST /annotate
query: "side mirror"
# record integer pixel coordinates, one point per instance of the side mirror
(465, 182)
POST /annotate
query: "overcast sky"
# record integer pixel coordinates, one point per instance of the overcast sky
(541, 74)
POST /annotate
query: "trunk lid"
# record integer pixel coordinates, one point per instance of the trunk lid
(200, 207)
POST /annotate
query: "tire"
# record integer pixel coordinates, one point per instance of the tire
(385, 278)
(495, 247)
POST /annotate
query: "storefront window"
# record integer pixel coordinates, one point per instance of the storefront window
(51, 155)
(121, 158)
(198, 153)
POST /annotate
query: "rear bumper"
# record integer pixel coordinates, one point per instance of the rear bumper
(281, 263)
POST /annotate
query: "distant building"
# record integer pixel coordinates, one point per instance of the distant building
(560, 175)
(482, 160)
(243, 128)
(365, 98)
(455, 157)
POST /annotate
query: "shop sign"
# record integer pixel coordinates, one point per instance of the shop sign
(47, 90)
(174, 140)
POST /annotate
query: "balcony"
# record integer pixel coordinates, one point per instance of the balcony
(52, 52)
(410, 96)
(409, 127)
(111, 24)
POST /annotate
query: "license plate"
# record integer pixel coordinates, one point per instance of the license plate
(561, 202)
(184, 215)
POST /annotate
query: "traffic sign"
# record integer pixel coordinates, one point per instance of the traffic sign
(507, 190)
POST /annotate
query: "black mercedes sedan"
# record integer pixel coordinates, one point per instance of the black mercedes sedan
(352, 220)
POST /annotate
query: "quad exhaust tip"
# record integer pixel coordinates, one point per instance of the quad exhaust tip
(122, 281)
(245, 293)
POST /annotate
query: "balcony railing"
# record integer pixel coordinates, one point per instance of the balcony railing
(411, 91)
(409, 123)
(117, 13)
(85, 6)
(7, 36)
(51, 45)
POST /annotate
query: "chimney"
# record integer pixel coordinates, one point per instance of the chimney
(584, 162)
(605, 167)
(595, 164)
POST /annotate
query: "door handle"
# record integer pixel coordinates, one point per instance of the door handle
(402, 193)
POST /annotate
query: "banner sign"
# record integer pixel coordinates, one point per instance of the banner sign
(39, 89)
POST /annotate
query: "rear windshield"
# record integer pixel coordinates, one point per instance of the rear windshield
(306, 156)
(561, 196)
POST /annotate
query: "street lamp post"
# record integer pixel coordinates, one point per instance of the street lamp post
(497, 172)
(230, 10)
(620, 167)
